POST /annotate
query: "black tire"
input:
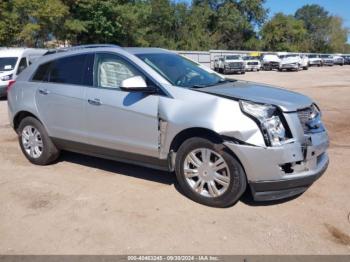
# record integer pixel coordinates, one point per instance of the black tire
(50, 152)
(238, 181)
(243, 72)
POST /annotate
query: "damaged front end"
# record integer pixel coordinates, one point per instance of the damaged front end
(294, 156)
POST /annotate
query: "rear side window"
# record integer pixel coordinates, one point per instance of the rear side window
(41, 73)
(76, 70)
(68, 70)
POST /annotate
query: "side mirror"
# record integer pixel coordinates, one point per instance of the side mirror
(137, 84)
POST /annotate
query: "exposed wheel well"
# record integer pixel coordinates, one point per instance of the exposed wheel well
(194, 132)
(20, 116)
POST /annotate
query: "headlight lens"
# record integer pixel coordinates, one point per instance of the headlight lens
(269, 120)
(6, 78)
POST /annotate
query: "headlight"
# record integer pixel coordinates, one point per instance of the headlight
(269, 121)
(6, 78)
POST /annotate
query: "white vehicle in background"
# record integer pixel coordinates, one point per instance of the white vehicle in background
(252, 63)
(338, 60)
(315, 60)
(304, 62)
(270, 61)
(13, 61)
(290, 62)
(327, 60)
(229, 64)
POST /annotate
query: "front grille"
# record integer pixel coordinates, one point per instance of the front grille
(253, 63)
(235, 65)
(304, 117)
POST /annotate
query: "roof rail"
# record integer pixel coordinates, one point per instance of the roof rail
(78, 47)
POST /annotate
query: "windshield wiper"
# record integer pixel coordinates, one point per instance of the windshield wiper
(198, 86)
(221, 81)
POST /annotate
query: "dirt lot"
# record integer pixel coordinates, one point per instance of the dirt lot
(85, 205)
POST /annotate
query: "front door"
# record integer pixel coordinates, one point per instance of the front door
(116, 119)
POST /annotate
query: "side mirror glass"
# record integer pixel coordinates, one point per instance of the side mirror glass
(136, 83)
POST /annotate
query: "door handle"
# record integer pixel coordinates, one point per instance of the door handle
(94, 102)
(43, 91)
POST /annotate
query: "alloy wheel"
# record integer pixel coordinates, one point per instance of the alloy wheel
(32, 141)
(206, 172)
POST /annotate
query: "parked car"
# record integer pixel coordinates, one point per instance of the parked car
(315, 60)
(304, 62)
(229, 64)
(290, 62)
(346, 59)
(327, 60)
(338, 60)
(154, 108)
(13, 61)
(270, 61)
(252, 63)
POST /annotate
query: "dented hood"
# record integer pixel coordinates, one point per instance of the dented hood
(287, 100)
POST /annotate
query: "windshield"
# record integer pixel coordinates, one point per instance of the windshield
(232, 57)
(7, 63)
(313, 56)
(249, 58)
(325, 56)
(286, 56)
(180, 71)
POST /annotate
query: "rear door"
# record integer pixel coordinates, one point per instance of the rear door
(61, 94)
(116, 119)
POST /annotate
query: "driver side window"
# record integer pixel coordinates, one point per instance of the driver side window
(111, 70)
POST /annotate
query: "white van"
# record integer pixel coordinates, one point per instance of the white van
(13, 61)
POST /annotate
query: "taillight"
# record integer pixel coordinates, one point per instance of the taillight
(10, 85)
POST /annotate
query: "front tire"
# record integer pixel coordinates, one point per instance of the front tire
(35, 143)
(208, 174)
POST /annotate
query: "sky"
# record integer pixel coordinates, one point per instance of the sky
(335, 7)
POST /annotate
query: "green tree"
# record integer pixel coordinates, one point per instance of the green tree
(38, 20)
(193, 27)
(9, 27)
(316, 20)
(338, 35)
(284, 33)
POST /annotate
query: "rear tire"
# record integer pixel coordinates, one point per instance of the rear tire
(209, 192)
(35, 143)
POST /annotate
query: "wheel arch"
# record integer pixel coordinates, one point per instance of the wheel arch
(197, 132)
(194, 132)
(20, 116)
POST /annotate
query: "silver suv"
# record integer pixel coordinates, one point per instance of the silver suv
(154, 108)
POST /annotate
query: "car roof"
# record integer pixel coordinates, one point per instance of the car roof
(146, 50)
(104, 47)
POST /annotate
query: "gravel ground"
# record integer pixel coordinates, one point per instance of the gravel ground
(85, 205)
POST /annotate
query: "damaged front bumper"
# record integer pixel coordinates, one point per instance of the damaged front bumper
(279, 172)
